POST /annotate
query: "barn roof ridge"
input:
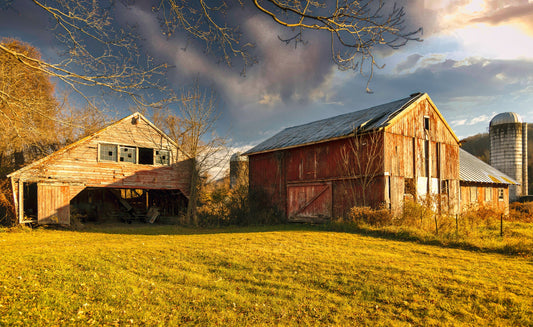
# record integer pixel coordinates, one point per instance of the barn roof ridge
(336, 127)
(88, 137)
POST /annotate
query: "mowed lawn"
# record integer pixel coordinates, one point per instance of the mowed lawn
(286, 275)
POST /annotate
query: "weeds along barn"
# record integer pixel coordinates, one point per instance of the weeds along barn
(377, 157)
(122, 170)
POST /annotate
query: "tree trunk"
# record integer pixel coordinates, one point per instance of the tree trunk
(192, 214)
(19, 159)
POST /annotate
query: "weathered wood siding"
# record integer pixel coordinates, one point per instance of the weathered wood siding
(53, 201)
(474, 195)
(428, 158)
(80, 164)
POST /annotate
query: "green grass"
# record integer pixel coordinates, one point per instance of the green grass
(286, 275)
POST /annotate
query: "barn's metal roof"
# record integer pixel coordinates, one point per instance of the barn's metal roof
(472, 169)
(335, 127)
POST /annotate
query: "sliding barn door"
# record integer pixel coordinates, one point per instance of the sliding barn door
(309, 202)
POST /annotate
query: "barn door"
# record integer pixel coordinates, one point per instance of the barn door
(53, 201)
(309, 202)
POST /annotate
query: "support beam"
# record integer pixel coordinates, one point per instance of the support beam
(21, 201)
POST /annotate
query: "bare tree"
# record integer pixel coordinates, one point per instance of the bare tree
(101, 54)
(362, 162)
(194, 130)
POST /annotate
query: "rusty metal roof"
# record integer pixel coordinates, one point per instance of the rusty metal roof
(472, 169)
(335, 127)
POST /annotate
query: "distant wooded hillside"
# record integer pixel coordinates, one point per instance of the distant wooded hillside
(479, 146)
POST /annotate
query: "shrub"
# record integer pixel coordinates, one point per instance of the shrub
(7, 209)
(521, 212)
(223, 206)
(367, 215)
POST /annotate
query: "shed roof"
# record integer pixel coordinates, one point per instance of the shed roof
(472, 169)
(339, 126)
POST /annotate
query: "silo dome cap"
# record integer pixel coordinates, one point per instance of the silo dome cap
(506, 118)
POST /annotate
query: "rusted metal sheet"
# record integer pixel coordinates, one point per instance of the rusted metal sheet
(309, 202)
(53, 202)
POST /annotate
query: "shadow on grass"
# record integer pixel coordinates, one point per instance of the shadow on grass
(399, 235)
(160, 229)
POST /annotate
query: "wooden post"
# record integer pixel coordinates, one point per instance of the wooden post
(456, 224)
(501, 224)
(21, 201)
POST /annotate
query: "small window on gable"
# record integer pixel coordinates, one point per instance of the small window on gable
(500, 194)
(162, 157)
(146, 156)
(108, 152)
(127, 154)
(426, 123)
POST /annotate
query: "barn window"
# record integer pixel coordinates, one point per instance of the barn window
(488, 194)
(162, 157)
(473, 194)
(127, 154)
(500, 194)
(108, 152)
(426, 123)
(146, 156)
(444, 187)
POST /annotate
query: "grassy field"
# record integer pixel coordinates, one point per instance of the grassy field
(287, 275)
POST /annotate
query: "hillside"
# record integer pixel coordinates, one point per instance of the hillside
(479, 146)
(279, 275)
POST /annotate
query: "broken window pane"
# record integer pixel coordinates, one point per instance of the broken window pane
(162, 157)
(146, 156)
(108, 152)
(127, 154)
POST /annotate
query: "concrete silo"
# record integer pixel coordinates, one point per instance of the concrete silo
(508, 150)
(238, 170)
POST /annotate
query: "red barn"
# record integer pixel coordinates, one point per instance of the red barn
(375, 157)
(130, 164)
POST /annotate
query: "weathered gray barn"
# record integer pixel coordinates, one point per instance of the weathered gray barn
(129, 163)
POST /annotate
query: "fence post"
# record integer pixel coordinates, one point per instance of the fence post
(501, 224)
(456, 224)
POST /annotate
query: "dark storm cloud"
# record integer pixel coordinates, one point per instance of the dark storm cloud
(408, 63)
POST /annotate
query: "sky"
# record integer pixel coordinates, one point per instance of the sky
(475, 60)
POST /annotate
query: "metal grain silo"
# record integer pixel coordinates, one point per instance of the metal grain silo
(508, 150)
